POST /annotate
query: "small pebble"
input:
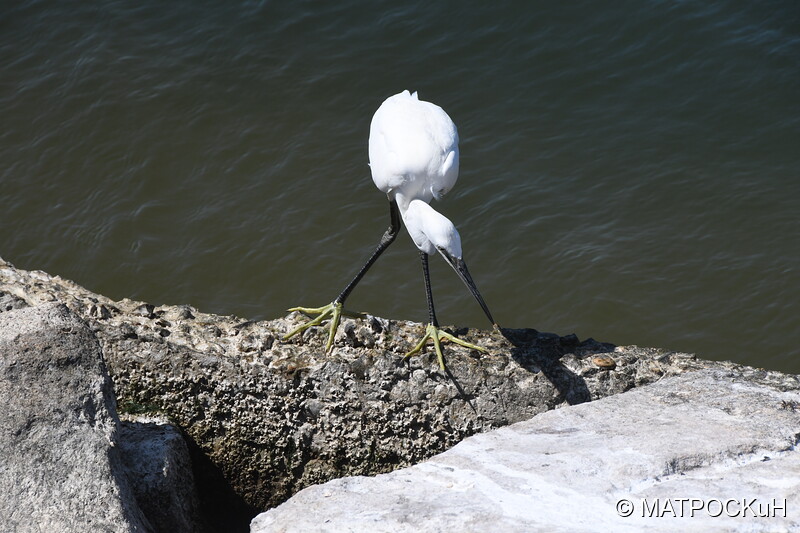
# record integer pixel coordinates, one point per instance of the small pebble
(145, 310)
(184, 312)
(605, 362)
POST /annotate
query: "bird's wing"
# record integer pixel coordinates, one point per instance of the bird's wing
(413, 145)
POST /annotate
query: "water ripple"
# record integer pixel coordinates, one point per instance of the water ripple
(628, 171)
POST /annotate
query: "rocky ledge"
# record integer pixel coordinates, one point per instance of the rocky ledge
(713, 450)
(263, 419)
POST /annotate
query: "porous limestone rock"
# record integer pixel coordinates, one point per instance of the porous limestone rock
(714, 450)
(274, 417)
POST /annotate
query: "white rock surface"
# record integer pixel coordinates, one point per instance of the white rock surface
(726, 440)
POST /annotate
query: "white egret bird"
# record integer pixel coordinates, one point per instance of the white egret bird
(413, 154)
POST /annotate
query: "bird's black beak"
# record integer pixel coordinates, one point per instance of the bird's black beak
(460, 267)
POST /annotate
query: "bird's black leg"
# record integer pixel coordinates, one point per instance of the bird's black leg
(387, 239)
(428, 293)
(432, 331)
(335, 309)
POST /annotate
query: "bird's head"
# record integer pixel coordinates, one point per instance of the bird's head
(433, 232)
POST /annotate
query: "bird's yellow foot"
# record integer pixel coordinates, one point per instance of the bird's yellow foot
(333, 310)
(436, 334)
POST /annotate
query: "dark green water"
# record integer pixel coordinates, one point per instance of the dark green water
(629, 170)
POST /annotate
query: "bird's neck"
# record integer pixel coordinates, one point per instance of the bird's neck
(403, 202)
(413, 219)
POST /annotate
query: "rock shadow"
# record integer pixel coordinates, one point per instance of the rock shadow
(221, 508)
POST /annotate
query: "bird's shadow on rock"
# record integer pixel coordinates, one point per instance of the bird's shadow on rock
(542, 352)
